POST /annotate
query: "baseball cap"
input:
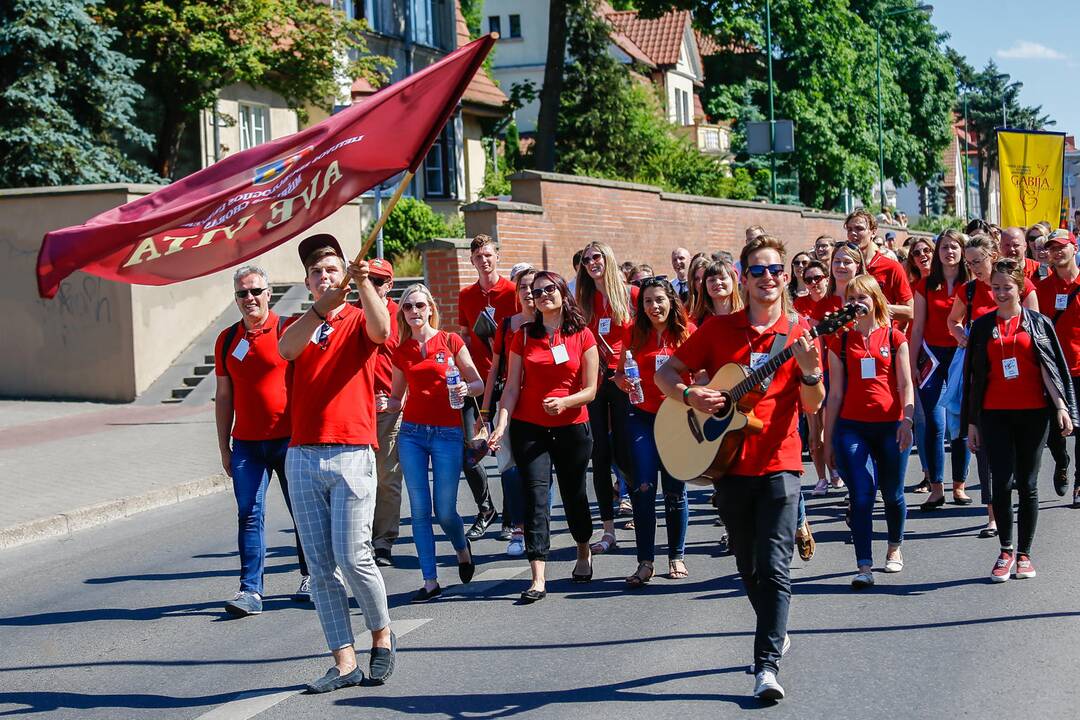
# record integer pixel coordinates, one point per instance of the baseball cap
(381, 267)
(317, 242)
(1061, 236)
(516, 270)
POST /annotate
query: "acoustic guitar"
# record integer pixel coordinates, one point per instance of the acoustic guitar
(697, 447)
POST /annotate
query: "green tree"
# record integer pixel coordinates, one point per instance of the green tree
(66, 99)
(191, 49)
(988, 91)
(410, 224)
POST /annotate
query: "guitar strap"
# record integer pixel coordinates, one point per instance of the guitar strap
(778, 345)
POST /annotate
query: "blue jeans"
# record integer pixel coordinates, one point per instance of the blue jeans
(932, 399)
(417, 445)
(251, 464)
(646, 465)
(869, 459)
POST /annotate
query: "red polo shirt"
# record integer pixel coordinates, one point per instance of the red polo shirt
(260, 397)
(891, 277)
(333, 390)
(983, 300)
(542, 377)
(428, 401)
(730, 338)
(383, 367)
(1023, 392)
(616, 335)
(473, 300)
(876, 397)
(939, 303)
(1051, 291)
(650, 357)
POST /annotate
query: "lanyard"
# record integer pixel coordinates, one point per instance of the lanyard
(1003, 331)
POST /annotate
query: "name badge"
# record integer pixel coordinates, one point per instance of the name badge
(490, 311)
(559, 354)
(868, 368)
(1009, 368)
(605, 326)
(756, 359)
(241, 350)
(661, 359)
(324, 330)
(1061, 301)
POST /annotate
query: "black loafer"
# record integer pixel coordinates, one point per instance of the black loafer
(961, 500)
(381, 664)
(931, 505)
(423, 595)
(988, 532)
(583, 578)
(334, 680)
(466, 570)
(531, 596)
(383, 558)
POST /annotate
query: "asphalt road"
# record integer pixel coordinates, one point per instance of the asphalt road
(125, 621)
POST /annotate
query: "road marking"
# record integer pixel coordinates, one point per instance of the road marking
(248, 705)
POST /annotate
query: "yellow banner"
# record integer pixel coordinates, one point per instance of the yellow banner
(1031, 166)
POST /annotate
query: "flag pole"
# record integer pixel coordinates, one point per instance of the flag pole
(379, 223)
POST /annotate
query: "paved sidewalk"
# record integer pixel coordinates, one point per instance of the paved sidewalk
(67, 465)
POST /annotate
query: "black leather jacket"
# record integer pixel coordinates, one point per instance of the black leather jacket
(976, 363)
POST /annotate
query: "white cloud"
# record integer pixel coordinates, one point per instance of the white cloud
(1027, 50)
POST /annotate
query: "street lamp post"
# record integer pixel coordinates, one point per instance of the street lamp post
(772, 110)
(880, 112)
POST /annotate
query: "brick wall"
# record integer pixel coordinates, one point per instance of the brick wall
(552, 216)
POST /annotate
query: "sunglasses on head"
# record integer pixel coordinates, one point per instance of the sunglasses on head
(847, 244)
(254, 292)
(537, 293)
(757, 271)
(418, 306)
(1005, 265)
(651, 281)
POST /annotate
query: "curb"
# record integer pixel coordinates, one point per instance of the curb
(101, 513)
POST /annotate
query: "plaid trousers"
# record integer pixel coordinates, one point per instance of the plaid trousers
(333, 494)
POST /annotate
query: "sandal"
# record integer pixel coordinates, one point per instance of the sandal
(638, 580)
(674, 573)
(805, 540)
(923, 487)
(988, 532)
(607, 542)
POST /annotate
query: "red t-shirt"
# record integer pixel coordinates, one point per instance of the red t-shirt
(616, 335)
(428, 401)
(730, 338)
(983, 300)
(804, 305)
(260, 395)
(471, 302)
(939, 303)
(383, 369)
(891, 277)
(1025, 392)
(333, 390)
(541, 377)
(875, 397)
(1031, 269)
(827, 304)
(1053, 292)
(650, 357)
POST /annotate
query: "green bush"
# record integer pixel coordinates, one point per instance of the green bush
(411, 224)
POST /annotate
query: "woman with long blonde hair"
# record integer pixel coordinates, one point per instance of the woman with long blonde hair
(607, 304)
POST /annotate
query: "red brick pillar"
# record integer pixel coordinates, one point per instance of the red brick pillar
(446, 271)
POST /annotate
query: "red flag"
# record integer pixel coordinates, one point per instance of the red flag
(254, 200)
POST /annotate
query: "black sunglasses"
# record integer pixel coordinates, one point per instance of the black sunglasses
(538, 293)
(757, 271)
(378, 280)
(256, 292)
(813, 280)
(419, 305)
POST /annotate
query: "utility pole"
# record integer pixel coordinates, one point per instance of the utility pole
(772, 110)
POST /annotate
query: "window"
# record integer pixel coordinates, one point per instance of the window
(688, 119)
(682, 108)
(254, 125)
(494, 24)
(515, 26)
(439, 166)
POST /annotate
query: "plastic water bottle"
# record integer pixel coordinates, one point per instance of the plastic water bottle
(630, 368)
(453, 379)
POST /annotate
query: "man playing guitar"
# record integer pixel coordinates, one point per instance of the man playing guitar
(759, 494)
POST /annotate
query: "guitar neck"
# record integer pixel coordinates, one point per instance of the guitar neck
(764, 371)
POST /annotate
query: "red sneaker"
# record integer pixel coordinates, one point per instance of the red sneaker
(1003, 567)
(1024, 567)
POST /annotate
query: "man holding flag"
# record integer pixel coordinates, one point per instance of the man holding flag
(331, 461)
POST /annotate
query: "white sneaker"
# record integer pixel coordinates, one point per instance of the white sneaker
(303, 593)
(766, 687)
(862, 580)
(516, 546)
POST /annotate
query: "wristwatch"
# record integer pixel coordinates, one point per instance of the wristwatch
(811, 379)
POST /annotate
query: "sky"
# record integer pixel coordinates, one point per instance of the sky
(1037, 42)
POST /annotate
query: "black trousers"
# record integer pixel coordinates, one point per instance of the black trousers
(1056, 443)
(1014, 441)
(760, 514)
(476, 475)
(536, 448)
(611, 442)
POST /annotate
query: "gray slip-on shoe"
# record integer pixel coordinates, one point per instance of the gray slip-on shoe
(381, 664)
(334, 680)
